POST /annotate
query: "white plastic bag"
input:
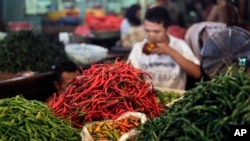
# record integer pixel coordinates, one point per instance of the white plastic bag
(132, 133)
(84, 54)
(85, 135)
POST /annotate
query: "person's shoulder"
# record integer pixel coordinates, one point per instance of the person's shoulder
(139, 44)
(137, 47)
(125, 21)
(174, 39)
(217, 7)
(178, 44)
(152, 5)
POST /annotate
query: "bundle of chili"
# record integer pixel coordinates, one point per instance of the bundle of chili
(113, 130)
(105, 91)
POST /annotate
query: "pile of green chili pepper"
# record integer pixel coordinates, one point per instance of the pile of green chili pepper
(26, 50)
(206, 112)
(23, 120)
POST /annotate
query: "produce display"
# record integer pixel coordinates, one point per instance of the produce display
(25, 50)
(205, 112)
(103, 23)
(105, 91)
(114, 130)
(24, 120)
(166, 97)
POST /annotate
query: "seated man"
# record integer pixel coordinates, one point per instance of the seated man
(63, 72)
(171, 60)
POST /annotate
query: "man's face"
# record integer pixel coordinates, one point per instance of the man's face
(66, 76)
(155, 32)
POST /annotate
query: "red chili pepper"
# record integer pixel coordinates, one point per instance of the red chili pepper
(105, 91)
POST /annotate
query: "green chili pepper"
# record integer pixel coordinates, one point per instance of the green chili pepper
(205, 112)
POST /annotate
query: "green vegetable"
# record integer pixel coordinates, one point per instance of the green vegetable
(205, 112)
(166, 97)
(25, 50)
(23, 120)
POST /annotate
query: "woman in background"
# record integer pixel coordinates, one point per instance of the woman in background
(131, 18)
(131, 28)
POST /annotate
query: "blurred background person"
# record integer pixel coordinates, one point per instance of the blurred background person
(63, 72)
(224, 12)
(132, 18)
(197, 34)
(131, 28)
(176, 16)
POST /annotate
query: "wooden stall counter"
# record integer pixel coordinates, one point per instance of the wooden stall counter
(38, 86)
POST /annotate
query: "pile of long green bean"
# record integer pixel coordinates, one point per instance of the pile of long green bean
(206, 112)
(24, 120)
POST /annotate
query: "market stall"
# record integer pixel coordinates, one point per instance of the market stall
(111, 102)
(25, 71)
(94, 103)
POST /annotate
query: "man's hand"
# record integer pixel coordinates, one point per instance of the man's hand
(162, 48)
(188, 66)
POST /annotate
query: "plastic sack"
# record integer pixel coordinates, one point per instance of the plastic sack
(85, 135)
(84, 54)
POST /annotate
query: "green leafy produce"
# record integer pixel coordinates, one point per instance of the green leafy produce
(206, 112)
(166, 97)
(25, 50)
(24, 120)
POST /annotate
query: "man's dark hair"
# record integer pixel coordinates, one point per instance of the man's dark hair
(64, 66)
(131, 15)
(158, 15)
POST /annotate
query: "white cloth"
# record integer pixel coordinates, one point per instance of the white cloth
(192, 35)
(64, 37)
(163, 68)
(124, 28)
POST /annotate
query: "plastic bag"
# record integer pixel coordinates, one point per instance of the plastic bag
(131, 134)
(84, 54)
(85, 135)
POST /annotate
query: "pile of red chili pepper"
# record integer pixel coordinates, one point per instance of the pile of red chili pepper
(105, 91)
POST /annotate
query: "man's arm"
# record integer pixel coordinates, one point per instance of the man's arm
(134, 55)
(213, 14)
(188, 66)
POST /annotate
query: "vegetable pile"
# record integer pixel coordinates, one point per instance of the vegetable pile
(166, 97)
(22, 120)
(25, 50)
(103, 23)
(113, 130)
(205, 112)
(105, 91)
